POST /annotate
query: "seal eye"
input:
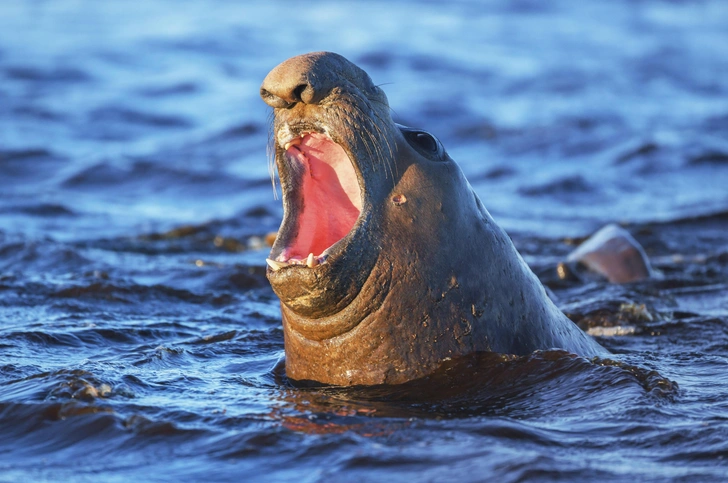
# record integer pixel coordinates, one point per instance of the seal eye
(425, 141)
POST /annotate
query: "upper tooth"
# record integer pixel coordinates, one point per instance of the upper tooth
(276, 265)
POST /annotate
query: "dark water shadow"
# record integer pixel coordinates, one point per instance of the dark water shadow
(542, 384)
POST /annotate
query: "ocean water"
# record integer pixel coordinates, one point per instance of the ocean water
(139, 338)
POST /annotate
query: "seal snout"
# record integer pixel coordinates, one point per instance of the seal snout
(323, 195)
(307, 78)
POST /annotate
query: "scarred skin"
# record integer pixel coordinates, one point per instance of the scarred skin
(425, 275)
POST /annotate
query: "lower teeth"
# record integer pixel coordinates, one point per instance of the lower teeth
(311, 261)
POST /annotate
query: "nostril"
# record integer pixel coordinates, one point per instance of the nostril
(273, 100)
(298, 92)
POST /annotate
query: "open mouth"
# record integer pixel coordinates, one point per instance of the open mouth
(327, 205)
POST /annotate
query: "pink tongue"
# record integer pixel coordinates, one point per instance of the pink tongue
(331, 198)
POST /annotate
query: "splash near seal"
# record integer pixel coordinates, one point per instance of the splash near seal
(387, 264)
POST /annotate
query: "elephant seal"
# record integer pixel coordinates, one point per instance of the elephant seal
(386, 263)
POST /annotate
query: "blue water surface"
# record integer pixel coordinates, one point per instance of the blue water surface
(139, 338)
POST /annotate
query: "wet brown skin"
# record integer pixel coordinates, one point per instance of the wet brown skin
(424, 276)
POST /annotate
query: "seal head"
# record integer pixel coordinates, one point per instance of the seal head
(386, 262)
